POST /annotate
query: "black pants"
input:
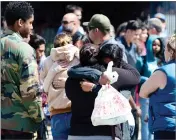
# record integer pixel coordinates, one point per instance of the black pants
(41, 133)
(16, 136)
(164, 135)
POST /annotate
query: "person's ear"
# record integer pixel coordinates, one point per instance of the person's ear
(96, 29)
(20, 22)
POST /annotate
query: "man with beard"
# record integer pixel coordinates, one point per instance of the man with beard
(21, 113)
(70, 24)
(77, 10)
(99, 32)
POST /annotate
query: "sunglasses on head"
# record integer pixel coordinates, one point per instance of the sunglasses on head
(66, 22)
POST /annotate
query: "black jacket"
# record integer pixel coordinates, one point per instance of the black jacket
(82, 107)
(128, 78)
(83, 102)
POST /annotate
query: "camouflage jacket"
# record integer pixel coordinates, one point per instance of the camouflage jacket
(20, 108)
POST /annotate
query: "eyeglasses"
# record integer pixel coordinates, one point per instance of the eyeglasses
(66, 22)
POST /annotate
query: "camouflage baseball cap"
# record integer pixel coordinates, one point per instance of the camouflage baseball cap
(100, 21)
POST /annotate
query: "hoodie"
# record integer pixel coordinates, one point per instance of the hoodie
(57, 100)
(149, 63)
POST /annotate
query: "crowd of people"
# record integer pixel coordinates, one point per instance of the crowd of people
(60, 89)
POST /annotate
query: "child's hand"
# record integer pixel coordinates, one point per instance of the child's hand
(69, 55)
(59, 83)
(63, 63)
(58, 66)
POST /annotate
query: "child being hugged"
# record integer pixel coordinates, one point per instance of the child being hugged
(64, 55)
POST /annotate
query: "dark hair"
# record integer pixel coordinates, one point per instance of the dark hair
(2, 20)
(18, 10)
(133, 25)
(160, 54)
(143, 17)
(36, 40)
(80, 41)
(121, 28)
(88, 55)
(84, 39)
(144, 26)
(72, 8)
(112, 51)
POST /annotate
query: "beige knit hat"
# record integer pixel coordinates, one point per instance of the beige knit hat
(155, 23)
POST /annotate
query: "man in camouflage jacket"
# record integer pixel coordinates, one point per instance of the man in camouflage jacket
(20, 108)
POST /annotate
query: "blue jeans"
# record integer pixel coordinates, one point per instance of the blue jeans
(60, 126)
(145, 134)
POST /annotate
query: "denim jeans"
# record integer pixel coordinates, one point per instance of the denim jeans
(145, 134)
(90, 138)
(60, 126)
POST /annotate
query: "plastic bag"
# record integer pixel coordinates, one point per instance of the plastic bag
(110, 107)
(112, 75)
